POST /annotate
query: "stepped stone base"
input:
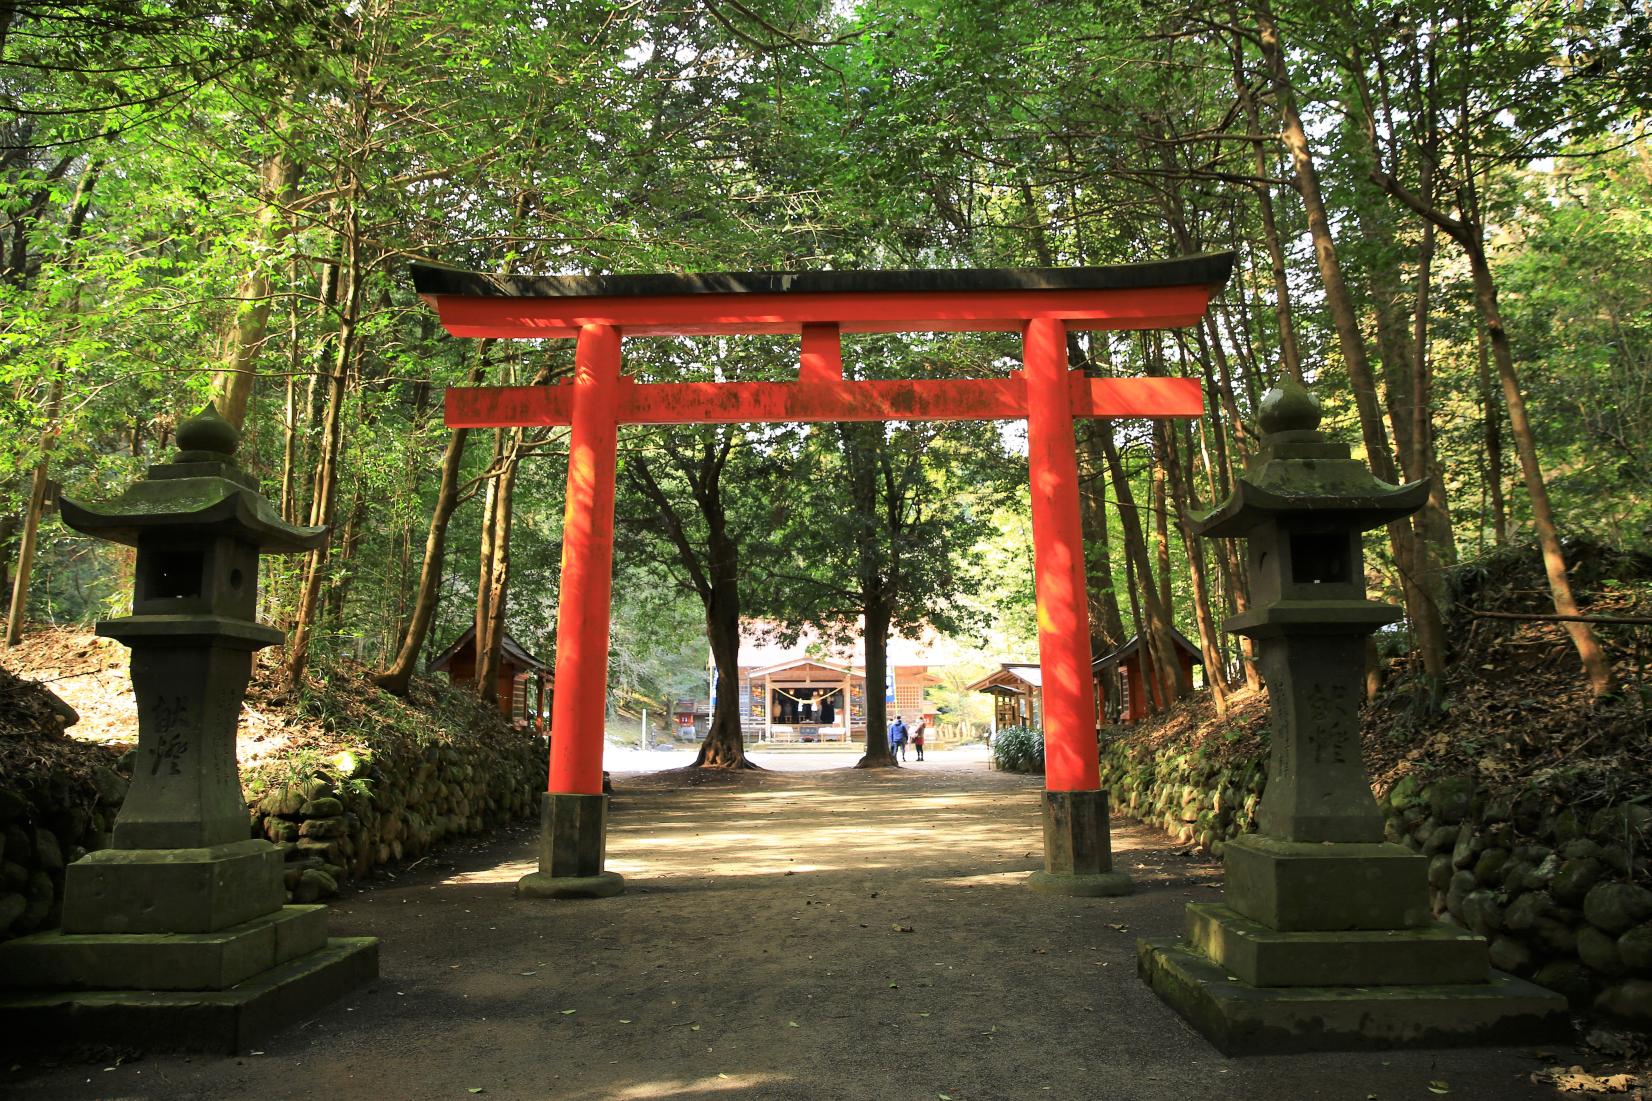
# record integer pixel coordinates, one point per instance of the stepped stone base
(224, 1021)
(56, 960)
(1297, 886)
(1259, 956)
(1242, 1019)
(172, 890)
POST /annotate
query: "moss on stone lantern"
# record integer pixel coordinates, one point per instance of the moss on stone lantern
(1323, 939)
(177, 936)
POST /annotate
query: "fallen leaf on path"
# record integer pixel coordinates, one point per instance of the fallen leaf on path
(1119, 925)
(525, 974)
(569, 1012)
(793, 1024)
(625, 1020)
(1438, 1087)
(694, 1028)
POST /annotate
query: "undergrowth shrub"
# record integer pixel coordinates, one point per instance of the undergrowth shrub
(1018, 749)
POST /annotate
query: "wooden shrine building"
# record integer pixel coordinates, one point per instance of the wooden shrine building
(523, 688)
(812, 691)
(1017, 691)
(1122, 693)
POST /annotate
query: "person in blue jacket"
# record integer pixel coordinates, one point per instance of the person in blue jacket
(897, 739)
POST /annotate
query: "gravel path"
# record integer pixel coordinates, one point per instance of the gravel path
(784, 935)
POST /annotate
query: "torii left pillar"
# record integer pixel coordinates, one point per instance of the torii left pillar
(573, 816)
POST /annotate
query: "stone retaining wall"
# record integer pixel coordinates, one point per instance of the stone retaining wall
(1559, 890)
(1183, 791)
(336, 819)
(45, 827)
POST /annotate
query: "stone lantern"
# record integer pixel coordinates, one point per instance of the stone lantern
(1324, 939)
(177, 936)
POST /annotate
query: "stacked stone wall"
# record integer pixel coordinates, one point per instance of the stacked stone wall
(335, 818)
(339, 821)
(1559, 890)
(59, 816)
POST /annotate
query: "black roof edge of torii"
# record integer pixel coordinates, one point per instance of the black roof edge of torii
(1201, 269)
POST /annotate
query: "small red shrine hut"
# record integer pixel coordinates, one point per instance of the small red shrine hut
(1122, 694)
(522, 692)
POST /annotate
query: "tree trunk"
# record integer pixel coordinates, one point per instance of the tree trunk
(248, 326)
(1209, 638)
(338, 585)
(1492, 417)
(1595, 662)
(396, 677)
(1106, 622)
(1289, 356)
(490, 619)
(878, 615)
(1424, 614)
(17, 616)
(323, 502)
(79, 206)
(724, 745)
(1158, 649)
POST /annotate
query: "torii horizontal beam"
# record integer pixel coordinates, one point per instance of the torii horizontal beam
(823, 401)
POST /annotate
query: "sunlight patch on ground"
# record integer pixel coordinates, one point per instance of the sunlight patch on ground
(502, 873)
(985, 879)
(688, 1087)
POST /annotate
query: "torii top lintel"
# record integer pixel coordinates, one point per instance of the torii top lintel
(821, 305)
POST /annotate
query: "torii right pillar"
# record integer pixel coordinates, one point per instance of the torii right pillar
(1323, 940)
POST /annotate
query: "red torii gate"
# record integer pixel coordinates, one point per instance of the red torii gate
(1042, 304)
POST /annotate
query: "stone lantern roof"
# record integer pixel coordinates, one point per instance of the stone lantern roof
(1300, 475)
(201, 492)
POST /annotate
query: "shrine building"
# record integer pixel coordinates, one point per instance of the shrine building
(524, 689)
(813, 691)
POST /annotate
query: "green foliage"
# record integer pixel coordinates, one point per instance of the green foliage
(1018, 749)
(512, 136)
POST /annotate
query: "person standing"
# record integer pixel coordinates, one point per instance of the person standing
(918, 738)
(897, 739)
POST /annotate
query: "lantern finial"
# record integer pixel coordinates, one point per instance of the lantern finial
(1288, 407)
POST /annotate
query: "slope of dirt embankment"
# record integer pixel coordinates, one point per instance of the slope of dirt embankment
(344, 777)
(1532, 801)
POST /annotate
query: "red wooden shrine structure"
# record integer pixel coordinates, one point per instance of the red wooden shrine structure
(1042, 304)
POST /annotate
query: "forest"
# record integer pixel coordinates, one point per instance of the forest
(1442, 213)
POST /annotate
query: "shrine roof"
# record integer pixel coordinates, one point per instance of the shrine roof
(1205, 269)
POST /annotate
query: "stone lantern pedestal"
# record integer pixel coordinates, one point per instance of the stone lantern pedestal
(177, 937)
(1323, 940)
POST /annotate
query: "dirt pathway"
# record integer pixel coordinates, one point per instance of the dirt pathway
(809, 936)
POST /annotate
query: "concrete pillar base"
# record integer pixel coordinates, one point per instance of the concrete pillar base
(1078, 854)
(573, 835)
(1105, 885)
(540, 885)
